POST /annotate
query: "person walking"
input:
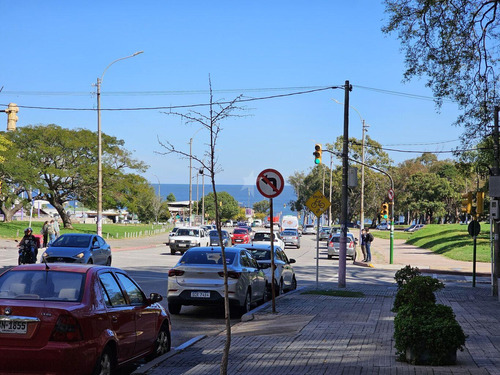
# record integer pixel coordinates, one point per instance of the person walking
(56, 227)
(45, 233)
(51, 231)
(363, 244)
(368, 244)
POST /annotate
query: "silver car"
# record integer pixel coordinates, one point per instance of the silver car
(291, 237)
(334, 246)
(324, 233)
(198, 279)
(284, 274)
(309, 229)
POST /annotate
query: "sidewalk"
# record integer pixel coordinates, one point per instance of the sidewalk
(312, 334)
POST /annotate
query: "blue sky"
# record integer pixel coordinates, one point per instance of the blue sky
(54, 51)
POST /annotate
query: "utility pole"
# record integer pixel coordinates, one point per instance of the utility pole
(330, 221)
(362, 209)
(190, 181)
(496, 225)
(345, 175)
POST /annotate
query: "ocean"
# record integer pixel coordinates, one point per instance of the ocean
(245, 195)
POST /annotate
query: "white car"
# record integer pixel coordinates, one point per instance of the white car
(309, 229)
(188, 237)
(264, 237)
(284, 275)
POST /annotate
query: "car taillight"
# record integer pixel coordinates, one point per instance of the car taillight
(231, 274)
(174, 272)
(66, 329)
(351, 244)
(331, 244)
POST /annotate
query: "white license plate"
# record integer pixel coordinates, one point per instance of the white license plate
(13, 326)
(238, 240)
(200, 294)
(182, 245)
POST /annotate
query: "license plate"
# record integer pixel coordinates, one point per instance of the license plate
(238, 240)
(13, 326)
(182, 245)
(200, 294)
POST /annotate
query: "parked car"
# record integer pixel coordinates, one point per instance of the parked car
(228, 223)
(414, 227)
(78, 248)
(383, 226)
(291, 237)
(284, 274)
(240, 235)
(264, 237)
(309, 229)
(198, 279)
(188, 237)
(77, 319)
(324, 233)
(215, 240)
(257, 223)
(334, 246)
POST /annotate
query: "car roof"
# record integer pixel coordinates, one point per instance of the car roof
(59, 267)
(78, 234)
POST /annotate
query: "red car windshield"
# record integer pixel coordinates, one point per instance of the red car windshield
(42, 285)
(240, 231)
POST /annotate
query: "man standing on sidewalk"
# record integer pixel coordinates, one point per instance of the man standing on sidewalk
(363, 244)
(368, 244)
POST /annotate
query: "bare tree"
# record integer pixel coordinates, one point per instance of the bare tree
(218, 111)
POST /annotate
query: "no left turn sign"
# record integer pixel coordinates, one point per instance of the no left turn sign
(270, 183)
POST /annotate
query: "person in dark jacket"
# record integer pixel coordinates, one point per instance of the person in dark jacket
(28, 247)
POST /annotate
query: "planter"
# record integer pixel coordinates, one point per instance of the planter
(425, 358)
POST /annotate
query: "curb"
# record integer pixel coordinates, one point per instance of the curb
(155, 362)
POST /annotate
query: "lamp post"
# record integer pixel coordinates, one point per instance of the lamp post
(190, 172)
(99, 144)
(159, 199)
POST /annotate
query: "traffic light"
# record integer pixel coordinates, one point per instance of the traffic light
(317, 153)
(479, 202)
(385, 210)
(467, 202)
(12, 116)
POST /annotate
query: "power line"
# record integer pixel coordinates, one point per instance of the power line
(183, 106)
(426, 151)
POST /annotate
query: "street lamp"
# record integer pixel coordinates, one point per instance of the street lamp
(190, 168)
(365, 126)
(99, 144)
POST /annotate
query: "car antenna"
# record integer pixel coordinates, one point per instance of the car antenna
(46, 265)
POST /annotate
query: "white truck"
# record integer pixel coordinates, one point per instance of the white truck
(188, 237)
(289, 222)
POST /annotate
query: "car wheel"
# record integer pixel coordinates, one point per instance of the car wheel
(329, 256)
(162, 343)
(247, 305)
(108, 261)
(294, 284)
(104, 364)
(298, 246)
(174, 308)
(172, 252)
(90, 261)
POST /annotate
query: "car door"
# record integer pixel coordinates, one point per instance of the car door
(146, 317)
(287, 270)
(248, 273)
(121, 316)
(95, 249)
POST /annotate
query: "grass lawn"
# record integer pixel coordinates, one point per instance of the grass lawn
(451, 240)
(15, 229)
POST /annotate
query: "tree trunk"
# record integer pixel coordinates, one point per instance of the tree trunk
(8, 213)
(62, 213)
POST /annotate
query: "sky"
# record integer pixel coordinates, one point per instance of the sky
(54, 52)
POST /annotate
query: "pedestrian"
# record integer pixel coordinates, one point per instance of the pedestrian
(45, 233)
(56, 227)
(363, 244)
(28, 248)
(368, 244)
(51, 231)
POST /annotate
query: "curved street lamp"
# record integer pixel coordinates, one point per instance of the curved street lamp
(99, 144)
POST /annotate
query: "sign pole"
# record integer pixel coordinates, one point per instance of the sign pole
(317, 253)
(273, 291)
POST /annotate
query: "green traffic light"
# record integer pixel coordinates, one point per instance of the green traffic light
(317, 161)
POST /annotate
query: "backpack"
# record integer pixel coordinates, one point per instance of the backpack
(369, 237)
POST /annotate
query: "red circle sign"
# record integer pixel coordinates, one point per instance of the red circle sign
(390, 194)
(270, 183)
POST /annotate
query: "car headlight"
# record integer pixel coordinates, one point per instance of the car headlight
(80, 256)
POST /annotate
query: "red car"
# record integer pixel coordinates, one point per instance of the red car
(77, 319)
(240, 235)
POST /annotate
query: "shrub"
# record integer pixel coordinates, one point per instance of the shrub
(405, 274)
(418, 291)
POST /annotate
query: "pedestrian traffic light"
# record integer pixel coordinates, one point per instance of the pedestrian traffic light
(479, 202)
(385, 210)
(317, 153)
(467, 202)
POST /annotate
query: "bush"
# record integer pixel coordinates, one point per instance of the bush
(431, 332)
(405, 274)
(418, 291)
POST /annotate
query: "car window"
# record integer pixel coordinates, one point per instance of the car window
(240, 231)
(262, 237)
(50, 286)
(252, 260)
(101, 241)
(289, 233)
(113, 294)
(206, 257)
(71, 241)
(187, 232)
(134, 293)
(245, 259)
(261, 254)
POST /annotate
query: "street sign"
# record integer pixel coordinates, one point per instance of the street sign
(270, 183)
(318, 203)
(390, 194)
(474, 228)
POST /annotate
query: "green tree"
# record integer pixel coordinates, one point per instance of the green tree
(62, 164)
(261, 206)
(228, 206)
(455, 44)
(171, 198)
